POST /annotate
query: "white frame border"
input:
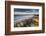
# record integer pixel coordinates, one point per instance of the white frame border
(25, 28)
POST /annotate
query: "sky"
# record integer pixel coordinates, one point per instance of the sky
(25, 10)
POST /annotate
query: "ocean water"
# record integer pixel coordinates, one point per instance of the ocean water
(22, 17)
